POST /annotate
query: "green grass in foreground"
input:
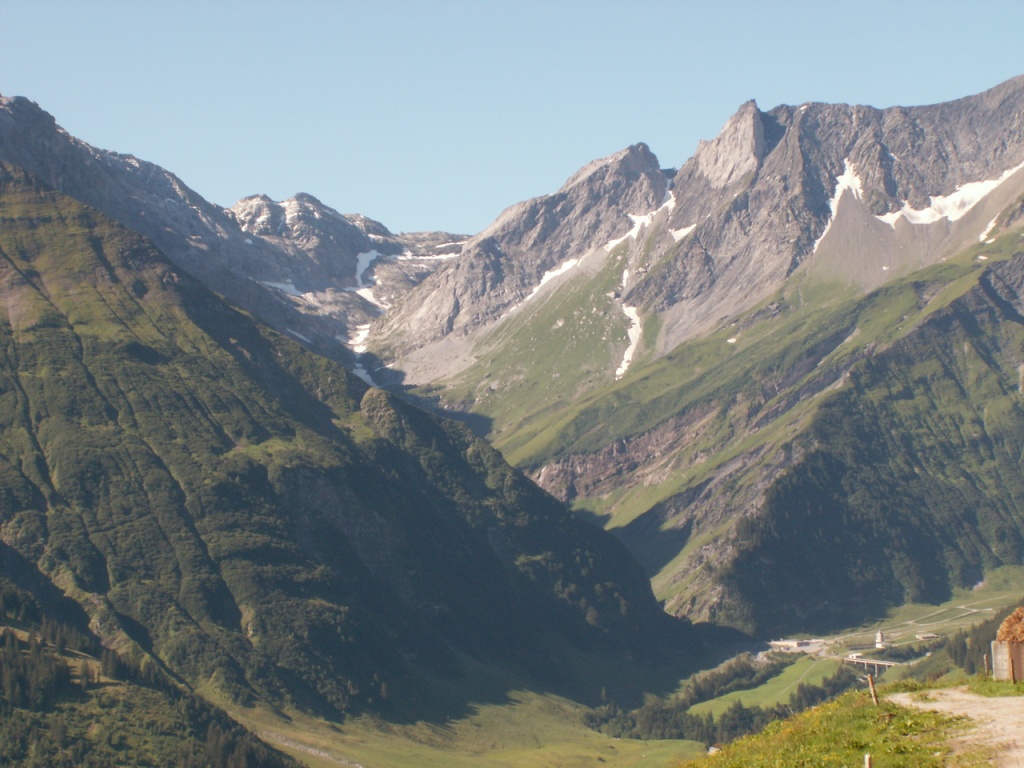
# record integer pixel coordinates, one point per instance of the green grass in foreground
(841, 732)
(986, 686)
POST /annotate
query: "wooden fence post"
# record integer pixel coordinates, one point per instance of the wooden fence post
(867, 761)
(874, 693)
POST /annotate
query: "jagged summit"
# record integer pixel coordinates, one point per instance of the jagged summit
(747, 210)
(631, 161)
(737, 151)
(525, 247)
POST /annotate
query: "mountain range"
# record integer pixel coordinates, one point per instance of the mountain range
(786, 376)
(252, 516)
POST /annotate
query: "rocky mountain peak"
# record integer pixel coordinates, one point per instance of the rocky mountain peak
(736, 151)
(258, 215)
(528, 244)
(631, 162)
(24, 109)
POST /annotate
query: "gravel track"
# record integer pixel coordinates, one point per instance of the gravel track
(999, 722)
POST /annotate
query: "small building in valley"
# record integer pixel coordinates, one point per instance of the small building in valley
(793, 645)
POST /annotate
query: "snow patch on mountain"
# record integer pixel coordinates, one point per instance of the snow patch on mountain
(409, 256)
(363, 262)
(634, 339)
(551, 274)
(370, 296)
(984, 237)
(679, 234)
(362, 287)
(639, 222)
(953, 206)
(357, 343)
(632, 330)
(848, 181)
(288, 287)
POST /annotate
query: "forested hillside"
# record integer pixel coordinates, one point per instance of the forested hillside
(66, 701)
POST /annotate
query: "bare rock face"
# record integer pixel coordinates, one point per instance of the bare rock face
(198, 235)
(344, 266)
(736, 152)
(760, 197)
(503, 264)
(851, 194)
(326, 243)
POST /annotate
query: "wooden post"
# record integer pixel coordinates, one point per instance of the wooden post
(1013, 672)
(986, 665)
(874, 693)
(867, 761)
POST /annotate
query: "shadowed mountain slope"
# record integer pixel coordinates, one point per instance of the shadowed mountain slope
(251, 515)
(825, 460)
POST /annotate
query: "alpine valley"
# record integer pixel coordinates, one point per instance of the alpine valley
(258, 454)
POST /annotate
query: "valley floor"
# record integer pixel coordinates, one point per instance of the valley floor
(531, 731)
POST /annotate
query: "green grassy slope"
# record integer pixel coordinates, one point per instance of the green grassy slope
(840, 733)
(548, 351)
(251, 515)
(807, 670)
(869, 441)
(910, 483)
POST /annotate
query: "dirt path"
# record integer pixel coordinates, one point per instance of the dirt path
(1000, 721)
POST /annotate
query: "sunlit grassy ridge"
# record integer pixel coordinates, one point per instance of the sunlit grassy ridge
(786, 339)
(841, 732)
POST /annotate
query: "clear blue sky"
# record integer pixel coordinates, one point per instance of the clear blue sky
(437, 114)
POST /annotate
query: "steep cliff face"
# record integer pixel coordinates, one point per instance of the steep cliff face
(850, 196)
(856, 195)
